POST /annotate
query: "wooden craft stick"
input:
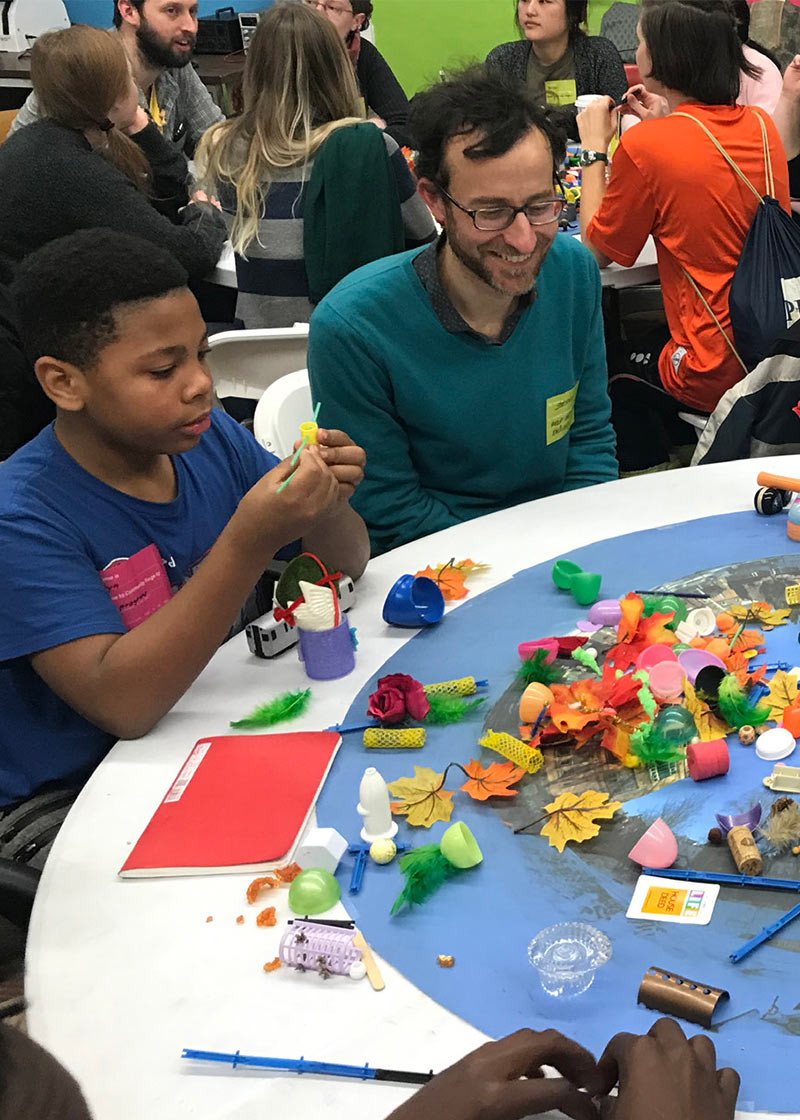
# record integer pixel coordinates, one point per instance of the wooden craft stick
(371, 965)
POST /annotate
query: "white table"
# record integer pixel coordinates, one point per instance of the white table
(122, 974)
(644, 271)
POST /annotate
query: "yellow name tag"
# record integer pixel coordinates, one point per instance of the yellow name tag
(563, 92)
(560, 414)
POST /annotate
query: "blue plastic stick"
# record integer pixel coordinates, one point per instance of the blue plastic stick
(359, 863)
(716, 877)
(343, 728)
(766, 933)
(300, 1065)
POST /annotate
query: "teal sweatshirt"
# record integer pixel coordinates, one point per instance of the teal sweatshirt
(453, 426)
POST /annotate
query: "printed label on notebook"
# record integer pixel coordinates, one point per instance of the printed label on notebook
(560, 414)
(187, 773)
(661, 900)
(137, 584)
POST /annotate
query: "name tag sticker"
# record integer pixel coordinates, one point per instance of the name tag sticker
(661, 900)
(563, 92)
(137, 584)
(560, 414)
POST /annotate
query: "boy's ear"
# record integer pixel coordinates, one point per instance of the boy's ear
(63, 383)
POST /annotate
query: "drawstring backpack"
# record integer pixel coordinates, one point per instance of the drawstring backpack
(765, 292)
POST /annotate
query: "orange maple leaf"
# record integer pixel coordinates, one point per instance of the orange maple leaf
(492, 780)
(448, 579)
(631, 607)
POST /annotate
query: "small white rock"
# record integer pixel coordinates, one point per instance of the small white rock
(357, 970)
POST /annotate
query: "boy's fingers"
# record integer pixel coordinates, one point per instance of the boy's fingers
(531, 1097)
(728, 1081)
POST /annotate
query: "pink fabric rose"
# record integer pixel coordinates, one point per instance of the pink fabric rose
(396, 697)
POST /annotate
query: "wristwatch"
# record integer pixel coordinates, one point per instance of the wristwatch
(589, 157)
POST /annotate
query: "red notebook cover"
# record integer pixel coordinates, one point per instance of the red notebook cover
(239, 803)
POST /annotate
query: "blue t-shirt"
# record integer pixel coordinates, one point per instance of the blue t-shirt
(66, 543)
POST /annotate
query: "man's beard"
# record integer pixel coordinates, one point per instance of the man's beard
(157, 53)
(472, 259)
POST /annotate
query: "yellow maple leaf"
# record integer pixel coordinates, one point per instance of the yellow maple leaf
(709, 726)
(422, 799)
(572, 817)
(762, 614)
(782, 693)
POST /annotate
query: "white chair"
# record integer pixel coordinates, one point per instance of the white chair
(280, 412)
(245, 363)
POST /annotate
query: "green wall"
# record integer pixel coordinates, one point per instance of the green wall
(418, 38)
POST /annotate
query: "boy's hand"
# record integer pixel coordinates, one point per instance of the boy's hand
(663, 1066)
(266, 519)
(503, 1081)
(345, 459)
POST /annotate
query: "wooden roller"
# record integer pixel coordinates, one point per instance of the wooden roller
(778, 481)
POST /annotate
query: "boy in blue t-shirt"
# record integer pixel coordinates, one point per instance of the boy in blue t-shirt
(105, 515)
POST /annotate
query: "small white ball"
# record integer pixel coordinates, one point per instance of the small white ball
(357, 970)
(383, 851)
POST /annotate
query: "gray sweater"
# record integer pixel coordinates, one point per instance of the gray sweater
(598, 66)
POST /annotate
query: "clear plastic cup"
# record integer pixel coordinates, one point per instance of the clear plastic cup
(566, 957)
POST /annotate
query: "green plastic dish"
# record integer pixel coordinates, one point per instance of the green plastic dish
(459, 847)
(313, 892)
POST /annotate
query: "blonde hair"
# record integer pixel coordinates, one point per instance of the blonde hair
(298, 87)
(78, 74)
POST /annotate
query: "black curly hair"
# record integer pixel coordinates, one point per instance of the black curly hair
(67, 291)
(493, 105)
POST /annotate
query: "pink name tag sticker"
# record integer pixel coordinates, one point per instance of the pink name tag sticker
(138, 585)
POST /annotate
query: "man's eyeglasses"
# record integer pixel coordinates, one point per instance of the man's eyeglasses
(331, 9)
(540, 213)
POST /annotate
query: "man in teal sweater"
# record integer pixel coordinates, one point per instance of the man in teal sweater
(472, 372)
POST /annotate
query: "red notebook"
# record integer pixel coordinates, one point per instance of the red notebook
(239, 803)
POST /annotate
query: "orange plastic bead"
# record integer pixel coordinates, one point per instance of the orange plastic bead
(725, 622)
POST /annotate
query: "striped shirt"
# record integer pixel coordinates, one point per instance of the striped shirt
(272, 281)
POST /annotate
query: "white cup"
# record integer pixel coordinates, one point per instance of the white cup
(585, 100)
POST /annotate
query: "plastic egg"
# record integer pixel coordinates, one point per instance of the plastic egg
(533, 701)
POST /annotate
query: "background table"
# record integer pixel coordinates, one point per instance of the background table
(122, 974)
(644, 271)
(213, 69)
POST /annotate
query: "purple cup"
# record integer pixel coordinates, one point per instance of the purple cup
(750, 818)
(693, 660)
(327, 654)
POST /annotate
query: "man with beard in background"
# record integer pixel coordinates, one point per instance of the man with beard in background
(159, 37)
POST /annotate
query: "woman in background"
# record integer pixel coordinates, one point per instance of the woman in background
(385, 101)
(556, 58)
(301, 114)
(94, 159)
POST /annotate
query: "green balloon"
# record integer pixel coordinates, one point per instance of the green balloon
(313, 892)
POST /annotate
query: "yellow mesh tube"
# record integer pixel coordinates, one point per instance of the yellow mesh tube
(464, 686)
(529, 758)
(394, 737)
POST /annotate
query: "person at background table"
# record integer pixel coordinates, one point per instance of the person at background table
(787, 122)
(159, 38)
(669, 180)
(95, 158)
(556, 59)
(291, 226)
(384, 98)
(764, 88)
(133, 531)
(473, 372)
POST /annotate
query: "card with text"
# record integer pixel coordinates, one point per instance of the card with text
(663, 900)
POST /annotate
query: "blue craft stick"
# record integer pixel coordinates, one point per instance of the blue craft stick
(481, 684)
(316, 411)
(343, 728)
(300, 1065)
(357, 874)
(766, 933)
(717, 877)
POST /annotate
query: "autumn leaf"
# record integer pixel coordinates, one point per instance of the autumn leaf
(761, 613)
(631, 607)
(492, 780)
(782, 693)
(422, 800)
(617, 740)
(572, 817)
(709, 726)
(450, 577)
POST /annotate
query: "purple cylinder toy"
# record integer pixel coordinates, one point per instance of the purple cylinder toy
(327, 654)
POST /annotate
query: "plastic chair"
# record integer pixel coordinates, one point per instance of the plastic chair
(6, 120)
(280, 412)
(245, 363)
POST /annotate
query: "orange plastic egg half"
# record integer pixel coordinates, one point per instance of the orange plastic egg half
(534, 699)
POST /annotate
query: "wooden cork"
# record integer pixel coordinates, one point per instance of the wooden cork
(743, 848)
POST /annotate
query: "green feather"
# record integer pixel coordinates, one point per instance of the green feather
(288, 705)
(450, 709)
(534, 669)
(650, 746)
(736, 708)
(424, 869)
